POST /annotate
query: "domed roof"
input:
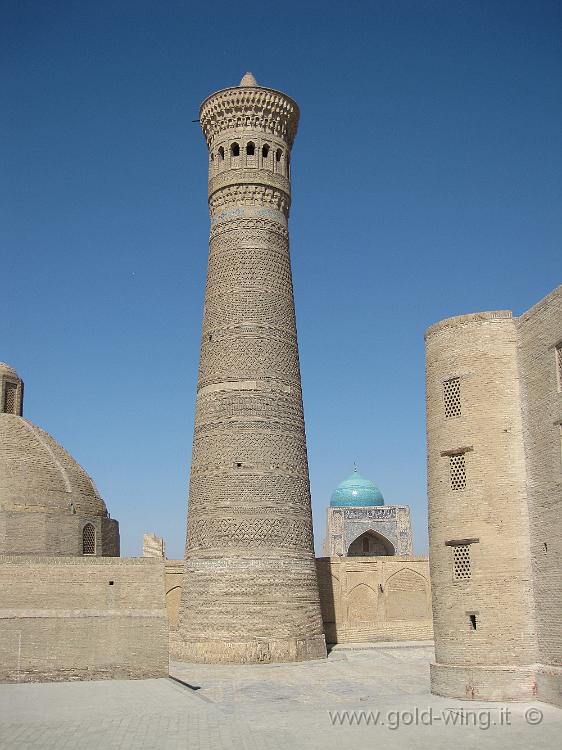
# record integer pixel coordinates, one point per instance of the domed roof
(38, 475)
(248, 80)
(356, 490)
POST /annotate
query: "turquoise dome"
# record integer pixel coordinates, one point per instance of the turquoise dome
(356, 490)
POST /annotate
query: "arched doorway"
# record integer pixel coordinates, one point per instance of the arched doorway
(370, 544)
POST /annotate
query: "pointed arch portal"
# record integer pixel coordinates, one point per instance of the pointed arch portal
(370, 544)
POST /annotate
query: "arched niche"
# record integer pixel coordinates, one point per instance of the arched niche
(173, 597)
(370, 544)
(407, 596)
(362, 604)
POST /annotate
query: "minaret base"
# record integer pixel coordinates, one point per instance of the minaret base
(496, 682)
(247, 652)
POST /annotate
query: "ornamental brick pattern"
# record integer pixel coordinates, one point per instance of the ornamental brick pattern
(389, 524)
(249, 592)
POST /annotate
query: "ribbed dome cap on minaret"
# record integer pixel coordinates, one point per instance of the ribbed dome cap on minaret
(248, 80)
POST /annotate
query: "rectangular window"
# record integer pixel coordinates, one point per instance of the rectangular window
(10, 398)
(452, 397)
(558, 362)
(461, 562)
(457, 471)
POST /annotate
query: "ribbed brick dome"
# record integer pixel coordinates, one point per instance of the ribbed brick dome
(38, 475)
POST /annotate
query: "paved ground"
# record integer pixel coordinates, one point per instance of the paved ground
(271, 707)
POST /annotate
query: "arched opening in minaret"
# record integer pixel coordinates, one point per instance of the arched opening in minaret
(251, 154)
(235, 150)
(278, 161)
(221, 153)
(370, 544)
(265, 151)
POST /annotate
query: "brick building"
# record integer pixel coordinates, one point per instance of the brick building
(494, 424)
(48, 503)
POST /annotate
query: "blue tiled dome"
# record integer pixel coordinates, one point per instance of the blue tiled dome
(356, 490)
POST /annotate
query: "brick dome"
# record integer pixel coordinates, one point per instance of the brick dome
(38, 475)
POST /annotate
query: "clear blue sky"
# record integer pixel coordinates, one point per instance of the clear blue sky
(426, 183)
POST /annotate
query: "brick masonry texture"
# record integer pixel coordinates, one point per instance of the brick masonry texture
(497, 632)
(361, 599)
(375, 598)
(249, 589)
(82, 618)
(46, 497)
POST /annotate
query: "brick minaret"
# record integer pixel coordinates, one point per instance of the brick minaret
(250, 592)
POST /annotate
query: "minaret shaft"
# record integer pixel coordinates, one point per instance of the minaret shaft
(250, 592)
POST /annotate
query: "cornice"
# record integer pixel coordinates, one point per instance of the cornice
(247, 107)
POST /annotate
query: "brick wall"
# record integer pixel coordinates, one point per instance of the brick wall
(354, 608)
(33, 533)
(498, 634)
(540, 330)
(82, 618)
(481, 350)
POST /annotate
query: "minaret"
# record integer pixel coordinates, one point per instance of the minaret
(250, 592)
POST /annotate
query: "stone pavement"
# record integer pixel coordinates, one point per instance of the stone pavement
(270, 707)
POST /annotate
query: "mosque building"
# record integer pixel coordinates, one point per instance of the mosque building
(249, 588)
(359, 524)
(372, 588)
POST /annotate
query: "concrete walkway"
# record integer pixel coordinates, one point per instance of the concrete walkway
(358, 698)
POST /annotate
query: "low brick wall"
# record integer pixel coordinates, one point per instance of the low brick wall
(362, 598)
(375, 598)
(65, 618)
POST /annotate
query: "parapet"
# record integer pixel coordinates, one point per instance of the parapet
(460, 320)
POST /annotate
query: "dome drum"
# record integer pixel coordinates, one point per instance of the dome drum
(55, 534)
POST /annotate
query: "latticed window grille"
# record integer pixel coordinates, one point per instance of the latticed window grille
(10, 398)
(461, 562)
(457, 469)
(452, 397)
(558, 352)
(89, 540)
